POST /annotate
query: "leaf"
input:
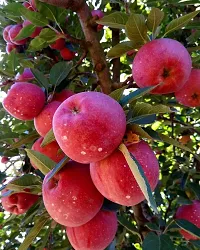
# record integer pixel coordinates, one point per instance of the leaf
(59, 72)
(196, 243)
(38, 225)
(136, 28)
(48, 35)
(121, 48)
(115, 20)
(25, 32)
(37, 44)
(10, 135)
(26, 139)
(25, 180)
(40, 77)
(118, 93)
(136, 129)
(146, 119)
(154, 19)
(139, 176)
(152, 226)
(180, 22)
(35, 17)
(2, 177)
(43, 163)
(45, 239)
(189, 227)
(49, 137)
(13, 8)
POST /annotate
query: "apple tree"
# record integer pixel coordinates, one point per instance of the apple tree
(99, 119)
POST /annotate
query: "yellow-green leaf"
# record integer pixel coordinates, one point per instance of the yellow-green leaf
(117, 94)
(154, 19)
(49, 137)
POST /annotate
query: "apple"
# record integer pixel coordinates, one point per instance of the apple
(43, 122)
(63, 95)
(24, 100)
(189, 94)
(37, 30)
(59, 44)
(5, 33)
(51, 150)
(70, 197)
(162, 61)
(191, 214)
(114, 179)
(10, 47)
(89, 126)
(67, 54)
(13, 32)
(97, 234)
(99, 14)
(27, 75)
(18, 203)
(33, 4)
(4, 159)
(28, 6)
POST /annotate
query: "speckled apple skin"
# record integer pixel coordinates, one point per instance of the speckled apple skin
(25, 76)
(13, 32)
(63, 95)
(70, 197)
(24, 101)
(51, 150)
(192, 214)
(43, 122)
(97, 234)
(189, 95)
(157, 55)
(18, 203)
(5, 33)
(114, 179)
(89, 126)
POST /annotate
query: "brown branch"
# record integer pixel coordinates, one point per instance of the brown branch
(73, 5)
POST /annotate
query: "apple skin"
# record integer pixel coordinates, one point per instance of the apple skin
(18, 203)
(51, 150)
(191, 214)
(37, 30)
(162, 60)
(114, 179)
(13, 32)
(99, 14)
(10, 47)
(24, 101)
(28, 6)
(89, 126)
(70, 197)
(62, 96)
(33, 4)
(189, 94)
(67, 54)
(59, 44)
(27, 75)
(5, 33)
(4, 159)
(97, 234)
(43, 122)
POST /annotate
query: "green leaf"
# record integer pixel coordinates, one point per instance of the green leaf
(157, 242)
(189, 227)
(26, 139)
(154, 19)
(48, 35)
(146, 119)
(180, 22)
(38, 226)
(25, 32)
(40, 77)
(49, 137)
(13, 9)
(196, 243)
(2, 177)
(139, 176)
(8, 136)
(152, 226)
(47, 10)
(45, 239)
(37, 44)
(136, 129)
(118, 93)
(115, 20)
(43, 163)
(121, 48)
(59, 72)
(136, 29)
(35, 17)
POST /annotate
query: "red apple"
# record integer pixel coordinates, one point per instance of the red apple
(67, 54)
(114, 179)
(70, 197)
(10, 47)
(5, 33)
(13, 32)
(191, 214)
(18, 203)
(33, 4)
(63, 95)
(4, 159)
(51, 150)
(189, 94)
(99, 14)
(89, 126)
(97, 234)
(59, 44)
(37, 30)
(27, 75)
(43, 122)
(28, 6)
(163, 61)
(24, 101)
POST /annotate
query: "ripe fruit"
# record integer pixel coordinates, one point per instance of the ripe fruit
(99, 14)
(51, 150)
(28, 6)
(24, 100)
(67, 54)
(4, 159)
(37, 30)
(63, 95)
(33, 4)
(43, 122)
(18, 203)
(189, 95)
(114, 179)
(97, 234)
(59, 44)
(5, 33)
(27, 75)
(190, 213)
(163, 61)
(13, 32)
(70, 197)
(89, 126)
(10, 47)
